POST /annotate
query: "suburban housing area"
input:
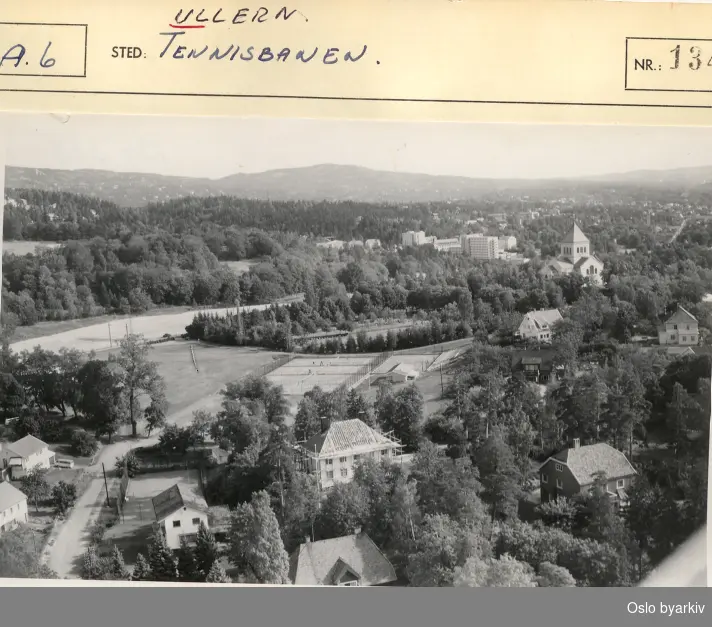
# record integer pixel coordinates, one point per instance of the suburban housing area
(401, 384)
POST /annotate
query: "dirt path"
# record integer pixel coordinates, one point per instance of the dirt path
(70, 543)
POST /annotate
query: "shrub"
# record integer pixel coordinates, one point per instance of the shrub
(133, 464)
(83, 444)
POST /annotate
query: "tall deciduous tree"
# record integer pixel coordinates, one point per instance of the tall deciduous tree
(503, 572)
(34, 485)
(501, 479)
(138, 378)
(553, 576)
(256, 548)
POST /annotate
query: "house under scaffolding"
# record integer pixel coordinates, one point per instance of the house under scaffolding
(334, 454)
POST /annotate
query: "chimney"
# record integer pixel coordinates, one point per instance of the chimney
(325, 424)
(577, 443)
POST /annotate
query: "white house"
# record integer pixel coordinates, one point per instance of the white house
(680, 329)
(538, 325)
(178, 519)
(13, 507)
(575, 257)
(334, 454)
(27, 453)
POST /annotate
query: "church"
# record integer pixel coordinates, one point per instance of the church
(575, 256)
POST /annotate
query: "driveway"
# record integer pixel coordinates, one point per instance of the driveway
(70, 542)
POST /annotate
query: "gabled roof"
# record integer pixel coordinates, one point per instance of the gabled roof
(9, 496)
(347, 436)
(167, 502)
(322, 563)
(574, 236)
(29, 445)
(544, 318)
(586, 461)
(560, 265)
(681, 316)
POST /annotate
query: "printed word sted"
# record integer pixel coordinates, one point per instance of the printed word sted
(327, 56)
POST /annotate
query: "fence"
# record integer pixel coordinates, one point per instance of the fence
(354, 379)
(277, 363)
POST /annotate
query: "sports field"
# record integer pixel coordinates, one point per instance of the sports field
(327, 371)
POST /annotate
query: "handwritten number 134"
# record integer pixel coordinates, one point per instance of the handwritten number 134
(696, 62)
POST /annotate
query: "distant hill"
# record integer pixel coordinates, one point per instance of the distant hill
(329, 182)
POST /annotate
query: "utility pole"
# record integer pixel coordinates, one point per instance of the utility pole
(106, 484)
(442, 387)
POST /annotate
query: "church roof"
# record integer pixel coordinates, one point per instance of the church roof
(575, 236)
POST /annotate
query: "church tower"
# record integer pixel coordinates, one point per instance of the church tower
(575, 245)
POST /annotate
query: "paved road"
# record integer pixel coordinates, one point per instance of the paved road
(677, 233)
(71, 541)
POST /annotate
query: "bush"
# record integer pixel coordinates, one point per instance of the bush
(83, 444)
(133, 464)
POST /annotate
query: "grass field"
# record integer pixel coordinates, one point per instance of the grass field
(26, 248)
(133, 531)
(99, 336)
(240, 267)
(188, 390)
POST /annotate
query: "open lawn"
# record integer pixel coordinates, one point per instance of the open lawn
(102, 336)
(28, 247)
(240, 267)
(132, 532)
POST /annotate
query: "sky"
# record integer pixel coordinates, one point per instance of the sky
(214, 147)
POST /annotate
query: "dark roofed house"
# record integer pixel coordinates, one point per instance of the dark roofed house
(574, 470)
(353, 560)
(536, 365)
(177, 518)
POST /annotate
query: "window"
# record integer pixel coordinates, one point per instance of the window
(176, 523)
(196, 521)
(544, 477)
(342, 460)
(384, 452)
(684, 338)
(674, 326)
(688, 327)
(329, 462)
(559, 468)
(559, 484)
(330, 474)
(356, 458)
(693, 338)
(620, 483)
(344, 472)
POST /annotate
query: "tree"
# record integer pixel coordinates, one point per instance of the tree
(553, 576)
(559, 513)
(499, 474)
(93, 567)
(441, 546)
(187, 565)
(63, 497)
(82, 444)
(141, 570)
(307, 422)
(101, 399)
(301, 504)
(357, 408)
(18, 555)
(34, 486)
(160, 559)
(130, 461)
(12, 396)
(217, 574)
(155, 416)
(205, 550)
(115, 566)
(343, 512)
(502, 572)
(405, 416)
(256, 548)
(138, 377)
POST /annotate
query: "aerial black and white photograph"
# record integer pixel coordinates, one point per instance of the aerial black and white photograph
(346, 353)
